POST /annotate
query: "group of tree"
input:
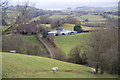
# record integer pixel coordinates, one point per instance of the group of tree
(45, 19)
(78, 28)
(20, 45)
(100, 50)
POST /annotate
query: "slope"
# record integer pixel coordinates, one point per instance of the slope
(24, 66)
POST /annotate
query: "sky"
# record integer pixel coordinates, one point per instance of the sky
(62, 4)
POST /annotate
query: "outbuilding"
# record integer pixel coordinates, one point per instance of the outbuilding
(61, 32)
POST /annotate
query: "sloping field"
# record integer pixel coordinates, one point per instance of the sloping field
(66, 43)
(70, 27)
(35, 41)
(24, 66)
(93, 17)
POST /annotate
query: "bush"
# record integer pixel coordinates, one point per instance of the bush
(56, 23)
(77, 28)
(78, 55)
(20, 45)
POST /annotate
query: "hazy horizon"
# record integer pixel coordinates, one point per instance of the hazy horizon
(63, 4)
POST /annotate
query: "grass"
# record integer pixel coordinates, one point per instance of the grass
(93, 17)
(47, 25)
(24, 66)
(113, 16)
(35, 41)
(70, 27)
(58, 16)
(66, 43)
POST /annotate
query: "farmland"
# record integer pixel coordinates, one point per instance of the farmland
(33, 39)
(24, 66)
(58, 16)
(30, 50)
(66, 43)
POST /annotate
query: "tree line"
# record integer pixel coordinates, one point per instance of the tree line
(100, 50)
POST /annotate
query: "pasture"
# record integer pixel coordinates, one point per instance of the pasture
(66, 43)
(33, 39)
(71, 26)
(94, 18)
(26, 66)
(56, 16)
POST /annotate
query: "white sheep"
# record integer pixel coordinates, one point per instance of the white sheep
(54, 69)
(93, 70)
(12, 51)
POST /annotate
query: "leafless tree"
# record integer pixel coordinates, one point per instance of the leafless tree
(101, 42)
(22, 16)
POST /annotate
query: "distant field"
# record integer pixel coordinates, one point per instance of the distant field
(47, 25)
(113, 16)
(93, 17)
(34, 40)
(2, 28)
(70, 27)
(66, 43)
(35, 19)
(58, 16)
(25, 66)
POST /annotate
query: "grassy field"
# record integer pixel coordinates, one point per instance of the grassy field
(47, 25)
(58, 16)
(113, 16)
(34, 40)
(70, 27)
(93, 17)
(24, 66)
(66, 43)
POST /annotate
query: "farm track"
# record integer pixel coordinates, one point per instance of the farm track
(46, 45)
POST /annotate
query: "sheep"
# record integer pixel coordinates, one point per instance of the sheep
(93, 70)
(54, 69)
(12, 51)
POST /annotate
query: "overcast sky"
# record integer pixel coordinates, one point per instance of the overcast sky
(45, 4)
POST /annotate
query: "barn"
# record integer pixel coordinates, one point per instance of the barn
(61, 32)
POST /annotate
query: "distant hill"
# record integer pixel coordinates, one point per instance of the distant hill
(95, 9)
(34, 12)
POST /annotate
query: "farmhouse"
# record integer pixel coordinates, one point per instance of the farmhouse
(61, 32)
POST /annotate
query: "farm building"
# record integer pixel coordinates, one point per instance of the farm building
(61, 32)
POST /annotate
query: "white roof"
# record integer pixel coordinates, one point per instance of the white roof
(64, 31)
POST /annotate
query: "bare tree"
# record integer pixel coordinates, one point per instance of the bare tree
(22, 16)
(78, 54)
(3, 7)
(101, 42)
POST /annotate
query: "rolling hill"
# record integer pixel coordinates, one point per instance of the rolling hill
(26, 66)
(35, 41)
(66, 43)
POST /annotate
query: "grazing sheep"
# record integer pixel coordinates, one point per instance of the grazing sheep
(54, 69)
(12, 51)
(93, 70)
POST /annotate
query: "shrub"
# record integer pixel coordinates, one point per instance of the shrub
(20, 45)
(77, 28)
(78, 55)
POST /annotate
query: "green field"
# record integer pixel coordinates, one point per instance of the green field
(93, 17)
(58, 16)
(66, 43)
(24, 66)
(70, 27)
(35, 41)
(113, 16)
